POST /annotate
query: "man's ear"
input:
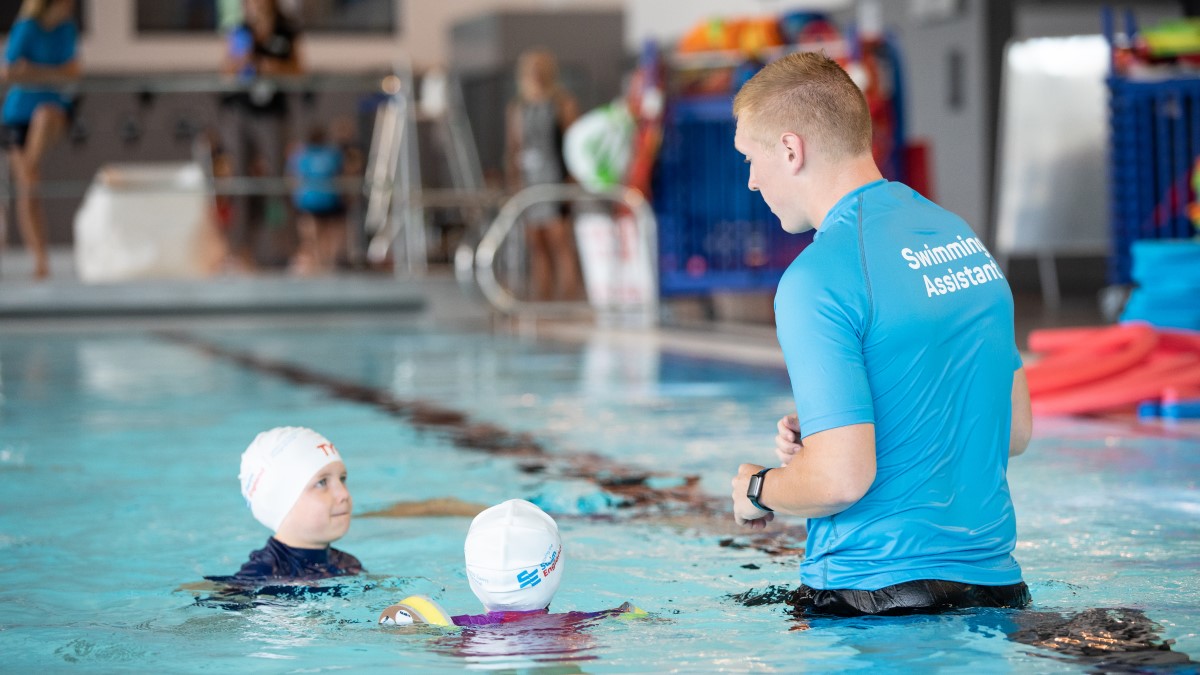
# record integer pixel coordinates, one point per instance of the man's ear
(793, 151)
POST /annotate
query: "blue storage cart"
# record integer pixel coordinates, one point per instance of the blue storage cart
(714, 233)
(1155, 141)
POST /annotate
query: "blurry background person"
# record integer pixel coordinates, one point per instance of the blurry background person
(534, 133)
(40, 51)
(317, 165)
(265, 45)
(344, 134)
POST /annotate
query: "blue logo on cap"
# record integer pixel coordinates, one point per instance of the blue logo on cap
(529, 578)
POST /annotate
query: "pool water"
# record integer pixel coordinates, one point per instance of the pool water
(119, 456)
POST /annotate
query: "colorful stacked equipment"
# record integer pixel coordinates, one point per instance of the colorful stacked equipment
(1114, 369)
(715, 236)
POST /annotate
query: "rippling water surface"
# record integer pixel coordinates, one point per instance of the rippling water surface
(119, 455)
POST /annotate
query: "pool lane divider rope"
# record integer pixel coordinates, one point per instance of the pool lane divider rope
(635, 491)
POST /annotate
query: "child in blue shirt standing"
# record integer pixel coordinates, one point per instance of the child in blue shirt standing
(39, 55)
(316, 166)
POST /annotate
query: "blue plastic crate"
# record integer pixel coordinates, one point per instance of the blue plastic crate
(1155, 137)
(714, 234)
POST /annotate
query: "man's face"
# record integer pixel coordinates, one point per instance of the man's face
(770, 169)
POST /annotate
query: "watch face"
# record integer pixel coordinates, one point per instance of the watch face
(755, 486)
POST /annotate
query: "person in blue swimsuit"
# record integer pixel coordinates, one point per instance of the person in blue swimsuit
(896, 326)
(40, 54)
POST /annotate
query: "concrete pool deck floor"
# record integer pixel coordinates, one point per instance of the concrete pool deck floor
(436, 296)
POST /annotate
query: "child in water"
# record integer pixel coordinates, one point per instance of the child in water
(515, 563)
(294, 481)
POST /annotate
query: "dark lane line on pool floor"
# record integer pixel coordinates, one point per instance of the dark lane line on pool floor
(635, 492)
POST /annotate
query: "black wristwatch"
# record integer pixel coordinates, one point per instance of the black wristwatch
(754, 490)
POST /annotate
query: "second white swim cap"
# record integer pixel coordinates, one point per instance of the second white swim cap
(514, 557)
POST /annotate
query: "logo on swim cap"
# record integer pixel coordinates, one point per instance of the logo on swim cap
(529, 578)
(548, 567)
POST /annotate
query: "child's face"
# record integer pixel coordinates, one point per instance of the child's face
(321, 515)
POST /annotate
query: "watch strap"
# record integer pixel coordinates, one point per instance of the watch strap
(754, 494)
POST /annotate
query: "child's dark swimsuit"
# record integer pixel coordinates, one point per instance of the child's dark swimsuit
(279, 562)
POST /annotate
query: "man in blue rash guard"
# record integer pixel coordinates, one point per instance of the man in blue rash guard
(295, 483)
(896, 325)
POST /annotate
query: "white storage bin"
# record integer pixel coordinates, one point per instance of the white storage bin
(146, 221)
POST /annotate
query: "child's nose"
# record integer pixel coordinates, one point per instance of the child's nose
(340, 492)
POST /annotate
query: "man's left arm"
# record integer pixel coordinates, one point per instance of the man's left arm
(832, 470)
(821, 313)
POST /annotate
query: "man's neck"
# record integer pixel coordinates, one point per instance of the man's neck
(840, 180)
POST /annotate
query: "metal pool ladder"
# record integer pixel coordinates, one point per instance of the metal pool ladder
(482, 261)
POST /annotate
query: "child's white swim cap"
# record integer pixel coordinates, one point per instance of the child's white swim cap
(514, 557)
(277, 467)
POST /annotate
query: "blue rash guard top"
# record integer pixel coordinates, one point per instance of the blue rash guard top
(28, 41)
(317, 167)
(897, 315)
(279, 562)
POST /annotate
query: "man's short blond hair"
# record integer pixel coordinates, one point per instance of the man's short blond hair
(809, 94)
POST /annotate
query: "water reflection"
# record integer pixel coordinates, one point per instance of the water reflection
(550, 643)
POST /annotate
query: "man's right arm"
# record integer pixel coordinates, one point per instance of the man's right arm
(1022, 415)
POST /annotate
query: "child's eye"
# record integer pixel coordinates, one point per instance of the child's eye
(323, 482)
(343, 479)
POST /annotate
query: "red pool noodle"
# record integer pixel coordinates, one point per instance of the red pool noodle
(1081, 344)
(1137, 384)
(1089, 370)
(1181, 340)
(1049, 340)
(1092, 358)
(1180, 393)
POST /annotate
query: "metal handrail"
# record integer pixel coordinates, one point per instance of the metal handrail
(240, 186)
(510, 214)
(214, 83)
